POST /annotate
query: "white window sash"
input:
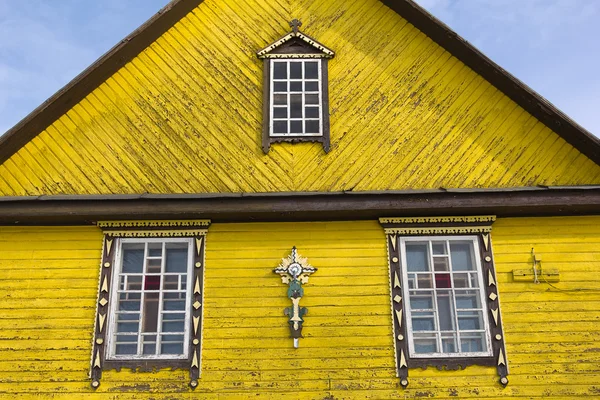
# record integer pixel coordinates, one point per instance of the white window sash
(114, 302)
(289, 93)
(481, 289)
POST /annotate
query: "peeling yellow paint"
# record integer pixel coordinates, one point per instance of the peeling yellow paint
(185, 116)
(50, 281)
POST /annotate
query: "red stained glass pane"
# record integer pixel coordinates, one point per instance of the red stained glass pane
(443, 281)
(152, 282)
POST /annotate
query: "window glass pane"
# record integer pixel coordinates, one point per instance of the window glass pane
(173, 304)
(123, 327)
(311, 112)
(472, 342)
(173, 322)
(311, 98)
(417, 257)
(424, 281)
(126, 339)
(461, 253)
(441, 264)
(149, 345)
(421, 300)
(311, 86)
(134, 282)
(133, 258)
(312, 126)
(442, 281)
(150, 312)
(152, 282)
(153, 265)
(296, 106)
(296, 70)
(129, 305)
(154, 249)
(171, 348)
(295, 86)
(177, 257)
(467, 299)
(280, 87)
(171, 282)
(423, 323)
(439, 248)
(470, 320)
(171, 344)
(449, 343)
(296, 127)
(125, 349)
(280, 99)
(445, 310)
(461, 280)
(425, 343)
(280, 70)
(280, 127)
(312, 69)
(280, 112)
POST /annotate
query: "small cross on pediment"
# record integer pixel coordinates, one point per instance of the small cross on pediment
(295, 24)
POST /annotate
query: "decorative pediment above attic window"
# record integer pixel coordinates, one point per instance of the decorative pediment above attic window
(296, 95)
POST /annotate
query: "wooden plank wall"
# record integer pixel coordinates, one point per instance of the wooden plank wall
(185, 115)
(48, 282)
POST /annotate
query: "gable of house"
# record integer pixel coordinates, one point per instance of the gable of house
(184, 116)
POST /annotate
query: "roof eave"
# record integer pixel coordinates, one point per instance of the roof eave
(311, 206)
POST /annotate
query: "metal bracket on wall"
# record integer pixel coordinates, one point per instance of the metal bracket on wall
(294, 271)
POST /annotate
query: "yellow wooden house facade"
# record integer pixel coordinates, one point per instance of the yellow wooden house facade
(428, 141)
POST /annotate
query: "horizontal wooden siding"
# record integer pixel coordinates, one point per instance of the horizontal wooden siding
(49, 282)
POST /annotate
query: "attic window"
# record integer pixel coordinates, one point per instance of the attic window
(296, 106)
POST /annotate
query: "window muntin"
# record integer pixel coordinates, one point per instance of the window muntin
(151, 299)
(296, 98)
(445, 292)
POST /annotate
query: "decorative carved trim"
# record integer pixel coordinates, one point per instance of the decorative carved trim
(157, 233)
(434, 220)
(196, 311)
(308, 48)
(327, 53)
(155, 224)
(290, 55)
(294, 271)
(131, 229)
(438, 231)
(493, 305)
(398, 322)
(393, 234)
(102, 306)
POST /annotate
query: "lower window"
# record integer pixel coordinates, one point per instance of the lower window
(150, 307)
(445, 294)
(150, 296)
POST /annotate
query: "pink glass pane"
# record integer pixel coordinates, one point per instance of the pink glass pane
(443, 281)
(152, 282)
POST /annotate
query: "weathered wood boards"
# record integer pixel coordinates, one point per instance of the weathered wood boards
(46, 322)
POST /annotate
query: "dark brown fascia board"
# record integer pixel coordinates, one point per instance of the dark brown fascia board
(132, 45)
(520, 93)
(517, 202)
(92, 77)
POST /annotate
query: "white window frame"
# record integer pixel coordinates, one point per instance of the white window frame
(288, 80)
(482, 294)
(114, 299)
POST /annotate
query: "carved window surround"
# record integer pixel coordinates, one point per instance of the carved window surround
(478, 228)
(114, 233)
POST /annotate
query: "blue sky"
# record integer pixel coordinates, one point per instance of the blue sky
(551, 45)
